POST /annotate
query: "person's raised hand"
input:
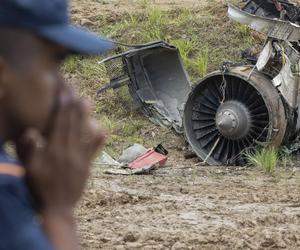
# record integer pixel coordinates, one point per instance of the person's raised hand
(57, 167)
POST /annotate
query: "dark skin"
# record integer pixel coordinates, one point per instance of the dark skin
(56, 138)
(32, 80)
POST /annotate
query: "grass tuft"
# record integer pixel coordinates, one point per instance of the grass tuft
(244, 30)
(266, 158)
(185, 47)
(154, 24)
(201, 63)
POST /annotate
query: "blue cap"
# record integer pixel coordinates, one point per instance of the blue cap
(49, 19)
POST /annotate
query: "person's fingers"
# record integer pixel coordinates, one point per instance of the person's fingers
(37, 146)
(24, 148)
(61, 119)
(79, 118)
(95, 140)
(59, 133)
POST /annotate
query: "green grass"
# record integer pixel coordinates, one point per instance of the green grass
(266, 158)
(244, 30)
(193, 31)
(154, 24)
(201, 63)
(85, 68)
(186, 47)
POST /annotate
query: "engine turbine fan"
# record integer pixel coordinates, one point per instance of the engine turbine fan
(228, 114)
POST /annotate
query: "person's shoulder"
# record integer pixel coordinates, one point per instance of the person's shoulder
(12, 182)
(11, 170)
(19, 226)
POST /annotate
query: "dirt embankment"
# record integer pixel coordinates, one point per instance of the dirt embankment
(83, 11)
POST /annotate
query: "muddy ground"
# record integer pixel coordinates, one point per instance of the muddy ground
(178, 209)
(184, 206)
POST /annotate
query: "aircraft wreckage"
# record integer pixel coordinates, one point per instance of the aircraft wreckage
(232, 110)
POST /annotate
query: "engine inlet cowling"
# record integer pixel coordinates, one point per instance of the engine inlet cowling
(228, 114)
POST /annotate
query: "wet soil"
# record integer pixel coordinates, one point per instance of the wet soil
(188, 207)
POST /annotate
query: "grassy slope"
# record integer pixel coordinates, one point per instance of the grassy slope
(205, 37)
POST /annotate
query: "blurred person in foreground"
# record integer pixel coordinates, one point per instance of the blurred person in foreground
(50, 126)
